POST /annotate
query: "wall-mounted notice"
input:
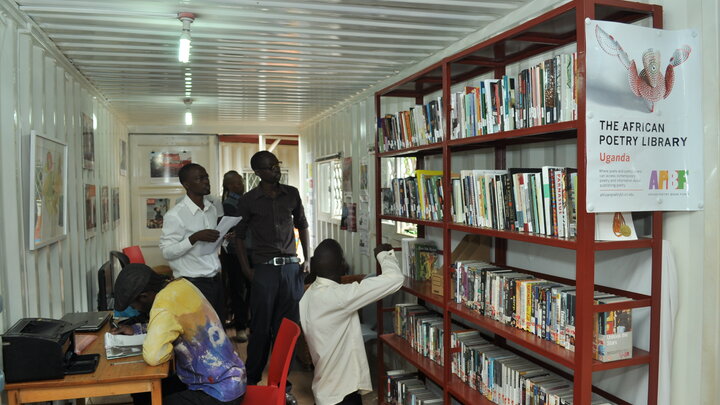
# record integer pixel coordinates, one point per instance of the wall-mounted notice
(644, 121)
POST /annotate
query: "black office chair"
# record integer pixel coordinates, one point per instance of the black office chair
(106, 296)
(121, 257)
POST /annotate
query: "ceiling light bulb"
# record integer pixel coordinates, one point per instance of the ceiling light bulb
(184, 49)
(184, 52)
(188, 118)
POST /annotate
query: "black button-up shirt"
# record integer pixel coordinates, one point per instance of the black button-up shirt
(271, 221)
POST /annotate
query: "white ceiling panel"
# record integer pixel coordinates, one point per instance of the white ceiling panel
(251, 60)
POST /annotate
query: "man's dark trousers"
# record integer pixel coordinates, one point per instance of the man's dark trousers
(276, 292)
(212, 289)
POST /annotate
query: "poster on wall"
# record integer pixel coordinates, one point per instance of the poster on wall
(155, 212)
(123, 157)
(364, 178)
(88, 141)
(90, 210)
(348, 218)
(644, 121)
(48, 202)
(115, 206)
(164, 166)
(347, 176)
(363, 220)
(104, 208)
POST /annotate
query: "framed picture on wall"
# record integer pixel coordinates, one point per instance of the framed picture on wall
(155, 210)
(105, 208)
(164, 166)
(90, 210)
(88, 141)
(48, 190)
(123, 157)
(151, 205)
(115, 206)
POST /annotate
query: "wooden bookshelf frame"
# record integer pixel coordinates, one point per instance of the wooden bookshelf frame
(566, 24)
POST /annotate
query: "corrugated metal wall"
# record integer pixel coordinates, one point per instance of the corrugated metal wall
(348, 131)
(39, 90)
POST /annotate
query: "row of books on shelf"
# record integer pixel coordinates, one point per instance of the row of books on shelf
(501, 376)
(420, 125)
(542, 94)
(538, 200)
(420, 258)
(504, 377)
(541, 307)
(418, 197)
(405, 388)
(422, 328)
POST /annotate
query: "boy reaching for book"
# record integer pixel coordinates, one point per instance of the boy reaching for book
(329, 317)
(208, 371)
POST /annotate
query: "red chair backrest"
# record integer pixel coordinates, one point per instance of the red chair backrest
(134, 254)
(282, 354)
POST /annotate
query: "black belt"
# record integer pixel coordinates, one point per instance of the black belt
(282, 260)
(216, 276)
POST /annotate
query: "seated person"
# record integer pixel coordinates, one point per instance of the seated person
(182, 321)
(329, 317)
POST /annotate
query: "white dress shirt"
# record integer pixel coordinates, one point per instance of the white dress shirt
(329, 317)
(183, 220)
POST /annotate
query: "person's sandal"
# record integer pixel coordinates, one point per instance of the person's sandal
(290, 399)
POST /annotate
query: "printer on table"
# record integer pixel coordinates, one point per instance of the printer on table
(42, 349)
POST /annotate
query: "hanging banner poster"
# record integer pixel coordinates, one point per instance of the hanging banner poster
(644, 121)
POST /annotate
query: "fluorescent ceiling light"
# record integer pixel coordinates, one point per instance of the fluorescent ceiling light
(188, 118)
(184, 49)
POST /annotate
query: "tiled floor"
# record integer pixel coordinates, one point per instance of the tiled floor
(302, 385)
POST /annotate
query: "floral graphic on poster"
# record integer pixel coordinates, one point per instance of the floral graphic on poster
(156, 209)
(166, 165)
(48, 202)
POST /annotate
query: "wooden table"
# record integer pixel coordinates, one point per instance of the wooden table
(107, 380)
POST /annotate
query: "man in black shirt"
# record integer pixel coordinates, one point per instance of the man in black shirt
(270, 211)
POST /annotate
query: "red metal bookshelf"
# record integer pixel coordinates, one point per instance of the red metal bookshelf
(555, 28)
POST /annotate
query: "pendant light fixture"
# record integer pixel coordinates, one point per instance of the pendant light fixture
(184, 49)
(188, 113)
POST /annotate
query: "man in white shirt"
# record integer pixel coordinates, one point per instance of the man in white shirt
(329, 317)
(193, 220)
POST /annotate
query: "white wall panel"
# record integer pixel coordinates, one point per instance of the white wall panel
(41, 91)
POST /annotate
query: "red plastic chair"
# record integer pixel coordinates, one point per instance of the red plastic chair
(134, 254)
(274, 392)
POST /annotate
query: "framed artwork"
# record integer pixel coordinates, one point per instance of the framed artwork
(123, 157)
(48, 191)
(152, 204)
(115, 206)
(105, 208)
(90, 210)
(88, 142)
(164, 166)
(155, 210)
